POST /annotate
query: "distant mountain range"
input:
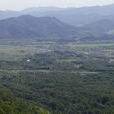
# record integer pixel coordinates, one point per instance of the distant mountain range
(72, 16)
(59, 24)
(75, 16)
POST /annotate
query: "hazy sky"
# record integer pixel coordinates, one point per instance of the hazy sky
(22, 4)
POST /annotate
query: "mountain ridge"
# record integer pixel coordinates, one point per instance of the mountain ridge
(27, 26)
(72, 16)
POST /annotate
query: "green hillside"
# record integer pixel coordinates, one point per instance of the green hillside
(9, 104)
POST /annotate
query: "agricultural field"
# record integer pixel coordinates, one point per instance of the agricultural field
(60, 78)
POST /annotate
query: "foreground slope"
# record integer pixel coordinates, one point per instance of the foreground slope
(9, 104)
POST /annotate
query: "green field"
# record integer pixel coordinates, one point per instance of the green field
(90, 45)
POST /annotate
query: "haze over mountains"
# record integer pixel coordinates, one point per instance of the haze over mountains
(74, 16)
(86, 23)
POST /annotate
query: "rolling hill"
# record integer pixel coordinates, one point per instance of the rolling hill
(51, 29)
(32, 27)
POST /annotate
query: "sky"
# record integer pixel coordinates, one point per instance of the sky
(23, 4)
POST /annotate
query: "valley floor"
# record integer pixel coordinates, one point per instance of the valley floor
(58, 78)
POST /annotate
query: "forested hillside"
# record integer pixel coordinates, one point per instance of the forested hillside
(9, 104)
